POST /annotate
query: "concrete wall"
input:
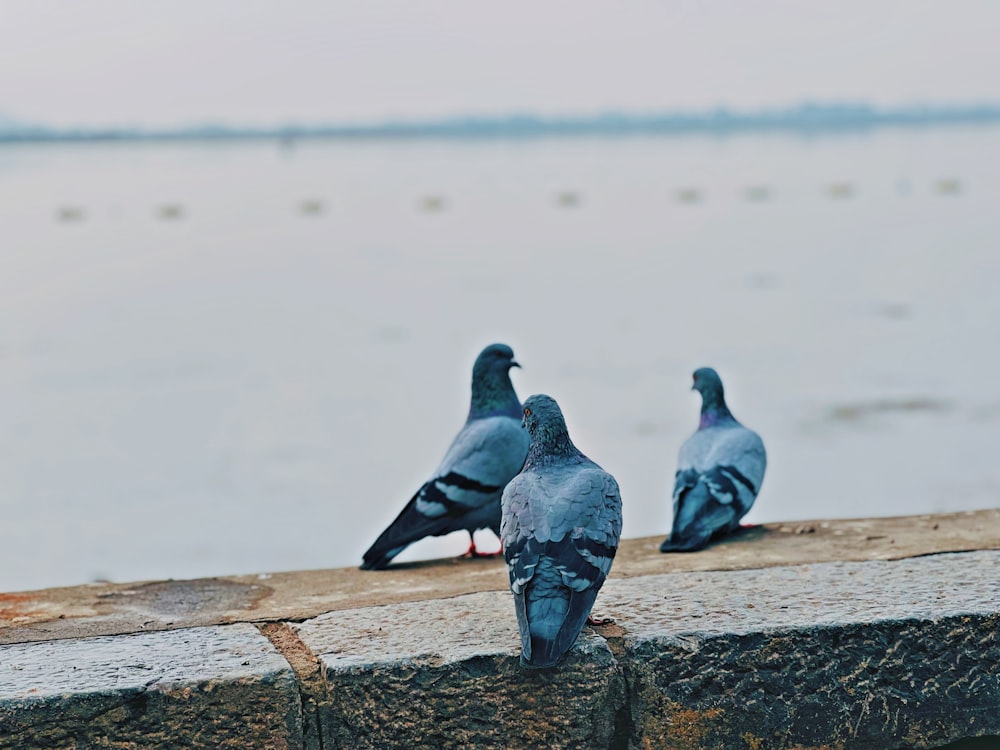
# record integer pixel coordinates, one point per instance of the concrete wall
(844, 654)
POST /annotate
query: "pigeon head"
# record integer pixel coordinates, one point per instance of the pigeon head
(706, 381)
(542, 415)
(495, 358)
(713, 401)
(492, 392)
(543, 419)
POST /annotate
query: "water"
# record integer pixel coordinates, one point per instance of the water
(243, 357)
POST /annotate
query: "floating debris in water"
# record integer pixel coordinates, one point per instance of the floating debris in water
(689, 195)
(432, 203)
(171, 211)
(949, 186)
(645, 428)
(762, 280)
(568, 199)
(894, 310)
(757, 193)
(391, 334)
(841, 190)
(70, 213)
(853, 412)
(311, 207)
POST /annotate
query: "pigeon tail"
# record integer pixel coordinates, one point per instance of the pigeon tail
(375, 559)
(699, 517)
(387, 546)
(554, 614)
(413, 523)
(676, 543)
(409, 526)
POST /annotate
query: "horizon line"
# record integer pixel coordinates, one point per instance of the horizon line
(803, 117)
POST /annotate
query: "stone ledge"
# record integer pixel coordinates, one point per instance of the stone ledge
(839, 655)
(220, 687)
(872, 653)
(113, 608)
(445, 673)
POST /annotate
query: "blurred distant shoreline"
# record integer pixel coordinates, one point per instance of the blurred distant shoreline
(802, 119)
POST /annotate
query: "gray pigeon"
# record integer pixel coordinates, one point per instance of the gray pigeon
(562, 518)
(719, 472)
(464, 492)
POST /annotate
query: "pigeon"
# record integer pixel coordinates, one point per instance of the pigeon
(719, 472)
(464, 492)
(562, 518)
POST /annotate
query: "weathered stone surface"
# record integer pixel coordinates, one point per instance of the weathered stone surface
(112, 608)
(886, 684)
(877, 654)
(445, 674)
(217, 687)
(839, 655)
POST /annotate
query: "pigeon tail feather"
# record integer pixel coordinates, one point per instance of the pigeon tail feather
(554, 616)
(699, 517)
(412, 525)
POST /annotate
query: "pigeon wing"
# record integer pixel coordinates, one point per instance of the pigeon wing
(481, 460)
(718, 478)
(484, 456)
(734, 467)
(561, 531)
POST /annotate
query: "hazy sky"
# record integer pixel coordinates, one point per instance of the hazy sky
(264, 61)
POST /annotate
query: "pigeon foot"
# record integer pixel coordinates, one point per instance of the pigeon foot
(591, 620)
(472, 552)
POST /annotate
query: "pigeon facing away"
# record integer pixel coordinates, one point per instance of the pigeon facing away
(562, 518)
(464, 492)
(719, 472)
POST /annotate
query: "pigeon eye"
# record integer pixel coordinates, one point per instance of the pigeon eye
(527, 411)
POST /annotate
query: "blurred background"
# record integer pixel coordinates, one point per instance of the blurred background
(249, 251)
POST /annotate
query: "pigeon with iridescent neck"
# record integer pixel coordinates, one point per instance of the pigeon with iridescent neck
(719, 472)
(464, 491)
(562, 518)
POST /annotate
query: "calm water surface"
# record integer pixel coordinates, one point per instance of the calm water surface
(233, 358)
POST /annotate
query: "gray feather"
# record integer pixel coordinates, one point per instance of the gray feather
(464, 491)
(560, 529)
(719, 472)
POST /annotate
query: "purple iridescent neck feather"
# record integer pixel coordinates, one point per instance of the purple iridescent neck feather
(713, 408)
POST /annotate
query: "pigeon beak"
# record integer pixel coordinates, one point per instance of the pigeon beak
(514, 364)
